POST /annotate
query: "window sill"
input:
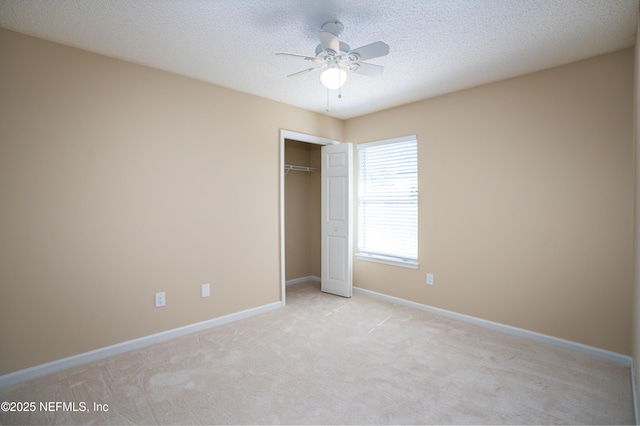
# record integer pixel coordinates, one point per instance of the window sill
(413, 264)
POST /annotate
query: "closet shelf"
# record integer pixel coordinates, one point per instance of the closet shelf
(290, 167)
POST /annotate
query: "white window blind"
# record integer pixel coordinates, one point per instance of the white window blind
(388, 200)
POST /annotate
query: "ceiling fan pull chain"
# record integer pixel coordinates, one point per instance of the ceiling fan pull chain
(327, 110)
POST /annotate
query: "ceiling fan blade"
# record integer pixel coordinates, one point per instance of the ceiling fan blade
(370, 51)
(363, 68)
(295, 74)
(308, 58)
(330, 42)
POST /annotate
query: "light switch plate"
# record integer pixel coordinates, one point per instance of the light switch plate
(205, 290)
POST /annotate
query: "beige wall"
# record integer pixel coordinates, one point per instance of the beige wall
(525, 201)
(118, 181)
(302, 212)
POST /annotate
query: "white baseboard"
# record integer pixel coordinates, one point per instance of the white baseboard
(302, 280)
(83, 358)
(633, 392)
(532, 335)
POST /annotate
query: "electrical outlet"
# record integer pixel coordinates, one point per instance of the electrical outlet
(205, 290)
(430, 279)
(160, 300)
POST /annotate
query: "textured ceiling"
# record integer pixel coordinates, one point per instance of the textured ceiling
(436, 46)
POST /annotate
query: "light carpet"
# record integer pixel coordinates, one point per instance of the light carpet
(329, 360)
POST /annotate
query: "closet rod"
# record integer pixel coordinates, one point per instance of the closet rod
(289, 167)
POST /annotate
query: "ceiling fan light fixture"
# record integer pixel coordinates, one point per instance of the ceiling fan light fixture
(333, 77)
(335, 58)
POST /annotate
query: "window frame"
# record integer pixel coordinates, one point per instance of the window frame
(388, 259)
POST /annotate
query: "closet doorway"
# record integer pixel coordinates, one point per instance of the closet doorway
(300, 207)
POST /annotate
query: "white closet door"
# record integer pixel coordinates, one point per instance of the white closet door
(337, 238)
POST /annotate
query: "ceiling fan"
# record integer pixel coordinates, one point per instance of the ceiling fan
(337, 59)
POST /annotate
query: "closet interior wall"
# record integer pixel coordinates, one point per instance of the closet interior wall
(302, 211)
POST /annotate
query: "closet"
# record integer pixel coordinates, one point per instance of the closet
(302, 214)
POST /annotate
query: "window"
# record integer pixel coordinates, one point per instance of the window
(388, 201)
